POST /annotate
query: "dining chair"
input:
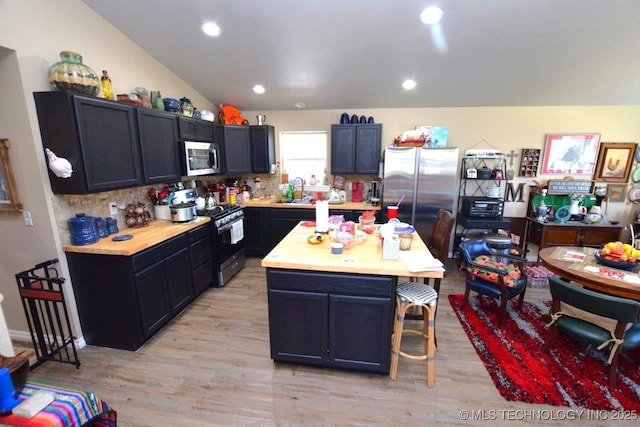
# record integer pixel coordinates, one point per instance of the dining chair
(606, 321)
(493, 274)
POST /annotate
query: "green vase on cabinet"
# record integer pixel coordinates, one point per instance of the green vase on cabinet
(156, 100)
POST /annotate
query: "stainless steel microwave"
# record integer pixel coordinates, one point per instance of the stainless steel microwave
(200, 158)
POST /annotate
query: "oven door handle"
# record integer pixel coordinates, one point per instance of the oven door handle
(229, 225)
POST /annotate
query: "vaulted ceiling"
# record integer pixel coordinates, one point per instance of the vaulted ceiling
(340, 54)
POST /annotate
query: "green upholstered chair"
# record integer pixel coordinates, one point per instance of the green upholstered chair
(497, 280)
(615, 326)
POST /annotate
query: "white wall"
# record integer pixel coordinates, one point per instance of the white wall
(504, 128)
(33, 33)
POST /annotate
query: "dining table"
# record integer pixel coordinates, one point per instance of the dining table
(579, 265)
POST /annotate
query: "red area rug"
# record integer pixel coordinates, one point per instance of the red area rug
(523, 372)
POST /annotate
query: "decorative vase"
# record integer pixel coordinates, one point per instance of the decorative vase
(71, 74)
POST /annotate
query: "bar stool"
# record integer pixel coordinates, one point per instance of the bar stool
(412, 294)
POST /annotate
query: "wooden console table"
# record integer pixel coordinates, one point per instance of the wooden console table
(570, 233)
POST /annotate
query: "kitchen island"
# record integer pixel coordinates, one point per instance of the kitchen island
(333, 310)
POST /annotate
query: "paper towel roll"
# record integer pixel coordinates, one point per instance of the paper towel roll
(322, 216)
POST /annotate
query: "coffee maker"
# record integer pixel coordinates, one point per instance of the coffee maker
(356, 191)
(374, 199)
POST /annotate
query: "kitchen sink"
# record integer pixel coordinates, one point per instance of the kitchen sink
(305, 201)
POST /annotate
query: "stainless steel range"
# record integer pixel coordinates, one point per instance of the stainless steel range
(228, 240)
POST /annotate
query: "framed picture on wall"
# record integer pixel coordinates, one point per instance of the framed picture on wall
(614, 161)
(570, 154)
(9, 200)
(616, 193)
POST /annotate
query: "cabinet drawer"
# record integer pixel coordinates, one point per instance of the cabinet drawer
(598, 236)
(561, 236)
(333, 283)
(201, 252)
(199, 233)
(158, 252)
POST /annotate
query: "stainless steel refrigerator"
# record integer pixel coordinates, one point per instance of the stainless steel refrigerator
(426, 177)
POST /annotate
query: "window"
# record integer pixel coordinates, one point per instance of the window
(303, 154)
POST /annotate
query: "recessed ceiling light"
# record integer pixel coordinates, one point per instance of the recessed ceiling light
(211, 29)
(431, 15)
(299, 105)
(258, 89)
(409, 84)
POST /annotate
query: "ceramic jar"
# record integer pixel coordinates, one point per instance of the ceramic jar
(71, 74)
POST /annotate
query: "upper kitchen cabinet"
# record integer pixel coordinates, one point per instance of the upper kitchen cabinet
(97, 136)
(236, 147)
(158, 132)
(263, 148)
(355, 149)
(195, 129)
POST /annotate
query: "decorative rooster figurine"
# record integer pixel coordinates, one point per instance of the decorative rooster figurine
(60, 166)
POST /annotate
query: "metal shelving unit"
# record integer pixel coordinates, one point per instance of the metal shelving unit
(476, 186)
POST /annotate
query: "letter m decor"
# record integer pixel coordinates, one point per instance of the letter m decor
(512, 195)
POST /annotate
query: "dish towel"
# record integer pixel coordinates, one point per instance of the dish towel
(237, 232)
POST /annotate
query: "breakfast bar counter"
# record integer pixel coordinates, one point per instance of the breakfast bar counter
(331, 310)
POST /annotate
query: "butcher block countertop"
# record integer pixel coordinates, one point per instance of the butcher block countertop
(272, 203)
(143, 238)
(293, 252)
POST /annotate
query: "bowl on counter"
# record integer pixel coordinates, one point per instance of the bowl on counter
(621, 265)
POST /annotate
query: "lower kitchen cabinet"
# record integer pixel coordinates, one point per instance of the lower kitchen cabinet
(201, 253)
(257, 233)
(338, 320)
(282, 221)
(123, 300)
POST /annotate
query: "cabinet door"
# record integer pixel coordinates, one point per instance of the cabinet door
(343, 149)
(237, 152)
(204, 130)
(262, 148)
(368, 146)
(360, 332)
(151, 287)
(596, 237)
(179, 287)
(560, 236)
(257, 231)
(110, 149)
(298, 326)
(187, 128)
(158, 132)
(284, 220)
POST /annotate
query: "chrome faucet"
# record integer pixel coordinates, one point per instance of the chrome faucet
(301, 180)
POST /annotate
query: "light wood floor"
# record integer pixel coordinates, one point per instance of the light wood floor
(211, 367)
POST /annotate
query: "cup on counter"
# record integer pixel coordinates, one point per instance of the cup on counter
(392, 212)
(336, 248)
(405, 241)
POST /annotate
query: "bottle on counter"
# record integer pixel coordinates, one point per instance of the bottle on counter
(105, 85)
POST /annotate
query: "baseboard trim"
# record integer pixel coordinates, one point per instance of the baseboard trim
(26, 337)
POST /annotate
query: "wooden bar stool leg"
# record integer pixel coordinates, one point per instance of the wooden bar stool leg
(396, 337)
(431, 347)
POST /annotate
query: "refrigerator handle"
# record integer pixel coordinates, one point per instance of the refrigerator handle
(395, 148)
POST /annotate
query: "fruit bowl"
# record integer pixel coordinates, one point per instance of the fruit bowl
(615, 264)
